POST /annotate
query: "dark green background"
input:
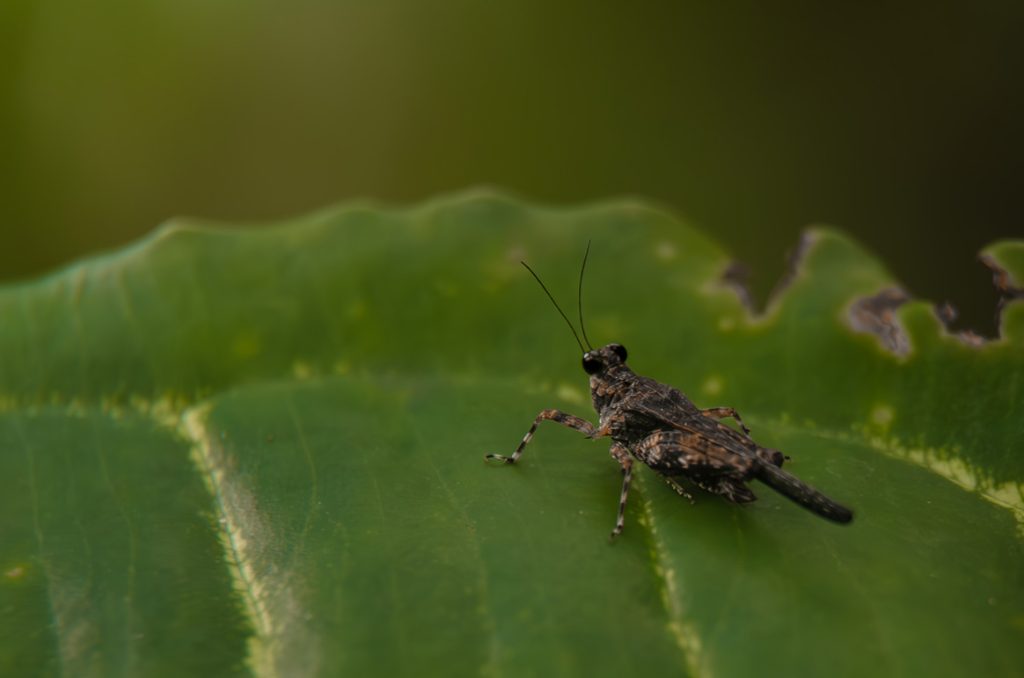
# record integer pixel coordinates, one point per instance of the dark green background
(899, 123)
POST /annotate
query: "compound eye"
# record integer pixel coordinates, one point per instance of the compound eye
(620, 351)
(591, 365)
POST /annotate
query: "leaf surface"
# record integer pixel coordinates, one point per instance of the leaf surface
(259, 452)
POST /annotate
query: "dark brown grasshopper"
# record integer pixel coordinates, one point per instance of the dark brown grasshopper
(658, 425)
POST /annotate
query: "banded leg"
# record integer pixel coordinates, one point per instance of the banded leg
(726, 412)
(621, 455)
(573, 422)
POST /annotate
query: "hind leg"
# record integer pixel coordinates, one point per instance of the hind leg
(710, 466)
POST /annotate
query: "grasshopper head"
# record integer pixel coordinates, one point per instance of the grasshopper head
(604, 359)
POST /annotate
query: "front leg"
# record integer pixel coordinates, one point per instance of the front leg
(573, 422)
(725, 412)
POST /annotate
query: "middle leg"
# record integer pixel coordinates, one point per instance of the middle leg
(621, 455)
(680, 490)
(724, 413)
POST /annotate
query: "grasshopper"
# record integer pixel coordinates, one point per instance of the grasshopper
(659, 426)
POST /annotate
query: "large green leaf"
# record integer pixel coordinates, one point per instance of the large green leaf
(261, 452)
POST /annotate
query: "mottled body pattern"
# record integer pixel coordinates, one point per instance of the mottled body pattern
(658, 425)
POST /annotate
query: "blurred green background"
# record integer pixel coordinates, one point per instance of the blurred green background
(899, 123)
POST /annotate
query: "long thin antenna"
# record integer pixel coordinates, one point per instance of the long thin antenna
(579, 298)
(543, 287)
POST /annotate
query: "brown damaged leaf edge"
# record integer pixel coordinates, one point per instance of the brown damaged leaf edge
(1004, 283)
(874, 314)
(877, 315)
(737, 277)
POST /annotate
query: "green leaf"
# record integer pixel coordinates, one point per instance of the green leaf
(260, 452)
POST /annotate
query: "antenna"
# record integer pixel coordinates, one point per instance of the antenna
(579, 298)
(543, 287)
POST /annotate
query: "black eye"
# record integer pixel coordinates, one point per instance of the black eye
(620, 351)
(591, 365)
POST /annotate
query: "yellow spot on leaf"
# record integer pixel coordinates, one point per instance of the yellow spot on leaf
(16, 572)
(665, 251)
(302, 370)
(882, 416)
(712, 386)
